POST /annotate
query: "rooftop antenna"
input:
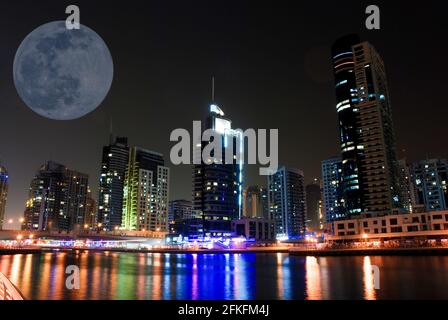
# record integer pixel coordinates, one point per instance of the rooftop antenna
(111, 131)
(213, 89)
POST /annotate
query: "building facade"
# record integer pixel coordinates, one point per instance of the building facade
(145, 192)
(255, 202)
(314, 210)
(424, 225)
(431, 178)
(370, 178)
(4, 177)
(178, 212)
(90, 217)
(110, 194)
(57, 199)
(218, 181)
(407, 187)
(287, 203)
(254, 228)
(332, 189)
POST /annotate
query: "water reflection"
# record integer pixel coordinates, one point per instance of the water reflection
(226, 276)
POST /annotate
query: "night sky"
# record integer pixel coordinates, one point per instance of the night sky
(272, 66)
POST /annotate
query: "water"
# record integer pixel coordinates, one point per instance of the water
(225, 276)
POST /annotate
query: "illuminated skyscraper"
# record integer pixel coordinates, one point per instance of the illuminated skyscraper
(57, 199)
(370, 181)
(431, 179)
(407, 187)
(287, 203)
(332, 189)
(217, 186)
(146, 186)
(110, 195)
(3, 194)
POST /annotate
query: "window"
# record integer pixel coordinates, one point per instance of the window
(412, 228)
(340, 226)
(396, 229)
(415, 220)
(351, 226)
(437, 217)
(383, 223)
(393, 222)
(437, 227)
(383, 230)
(365, 224)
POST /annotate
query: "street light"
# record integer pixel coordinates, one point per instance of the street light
(10, 221)
(21, 220)
(19, 237)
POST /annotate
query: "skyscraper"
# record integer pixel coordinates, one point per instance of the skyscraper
(57, 199)
(370, 181)
(407, 187)
(431, 178)
(91, 211)
(3, 193)
(332, 189)
(110, 196)
(146, 186)
(287, 202)
(255, 202)
(178, 212)
(314, 206)
(217, 186)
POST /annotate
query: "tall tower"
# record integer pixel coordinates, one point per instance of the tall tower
(57, 199)
(370, 180)
(287, 202)
(217, 183)
(145, 192)
(3, 193)
(110, 196)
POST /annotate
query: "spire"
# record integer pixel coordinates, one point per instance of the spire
(213, 89)
(111, 131)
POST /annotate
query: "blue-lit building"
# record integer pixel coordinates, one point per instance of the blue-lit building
(3, 193)
(431, 178)
(370, 172)
(217, 183)
(332, 189)
(287, 203)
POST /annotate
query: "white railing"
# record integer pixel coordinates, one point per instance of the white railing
(7, 290)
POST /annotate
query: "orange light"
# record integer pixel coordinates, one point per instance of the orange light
(364, 235)
(22, 220)
(10, 221)
(19, 237)
(86, 226)
(31, 236)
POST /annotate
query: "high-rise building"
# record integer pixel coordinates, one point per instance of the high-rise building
(287, 202)
(370, 179)
(407, 187)
(146, 186)
(314, 212)
(178, 212)
(431, 178)
(217, 182)
(57, 199)
(110, 195)
(332, 189)
(255, 202)
(3, 193)
(91, 211)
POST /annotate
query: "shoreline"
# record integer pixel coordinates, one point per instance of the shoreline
(291, 251)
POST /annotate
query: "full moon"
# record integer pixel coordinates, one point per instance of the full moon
(63, 74)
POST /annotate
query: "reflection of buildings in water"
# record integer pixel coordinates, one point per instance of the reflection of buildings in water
(369, 280)
(283, 277)
(313, 279)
